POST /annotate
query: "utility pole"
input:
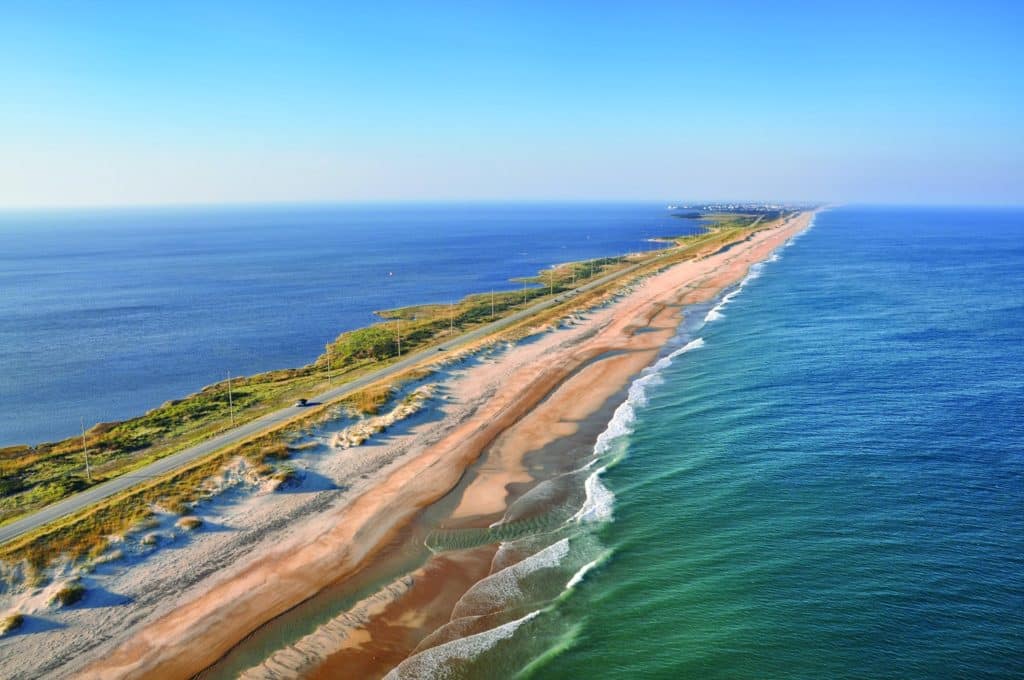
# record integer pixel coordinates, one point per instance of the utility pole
(85, 452)
(492, 305)
(329, 377)
(451, 318)
(231, 401)
(398, 322)
(551, 279)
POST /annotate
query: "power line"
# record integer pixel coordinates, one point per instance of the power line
(85, 452)
(231, 401)
(329, 377)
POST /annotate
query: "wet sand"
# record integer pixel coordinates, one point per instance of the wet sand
(540, 402)
(387, 635)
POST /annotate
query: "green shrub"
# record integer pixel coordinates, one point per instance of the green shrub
(373, 342)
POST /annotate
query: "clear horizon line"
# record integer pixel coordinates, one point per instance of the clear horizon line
(9, 209)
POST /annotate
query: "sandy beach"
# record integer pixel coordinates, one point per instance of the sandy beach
(279, 549)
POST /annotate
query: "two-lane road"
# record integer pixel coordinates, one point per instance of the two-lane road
(84, 499)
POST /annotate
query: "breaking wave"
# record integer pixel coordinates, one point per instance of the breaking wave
(755, 271)
(599, 500)
(501, 589)
(577, 578)
(436, 662)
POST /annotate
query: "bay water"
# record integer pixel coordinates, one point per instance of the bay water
(105, 314)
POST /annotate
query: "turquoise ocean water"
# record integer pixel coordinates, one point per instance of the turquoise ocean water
(822, 478)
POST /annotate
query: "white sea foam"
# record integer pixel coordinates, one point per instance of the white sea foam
(502, 589)
(618, 426)
(666, 361)
(578, 576)
(599, 502)
(794, 238)
(715, 313)
(696, 343)
(597, 507)
(433, 662)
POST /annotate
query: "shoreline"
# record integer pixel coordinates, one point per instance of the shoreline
(524, 414)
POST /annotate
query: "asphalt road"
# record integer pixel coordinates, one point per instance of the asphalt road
(84, 499)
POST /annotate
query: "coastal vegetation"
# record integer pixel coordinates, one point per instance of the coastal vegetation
(11, 623)
(85, 535)
(190, 523)
(69, 594)
(32, 477)
(370, 400)
(35, 476)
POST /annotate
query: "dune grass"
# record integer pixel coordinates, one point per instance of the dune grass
(190, 523)
(11, 623)
(69, 594)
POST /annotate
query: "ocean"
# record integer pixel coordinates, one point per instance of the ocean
(823, 477)
(105, 314)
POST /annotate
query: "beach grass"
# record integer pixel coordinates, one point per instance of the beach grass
(11, 623)
(69, 594)
(190, 523)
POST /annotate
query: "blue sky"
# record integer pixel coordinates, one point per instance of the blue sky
(140, 103)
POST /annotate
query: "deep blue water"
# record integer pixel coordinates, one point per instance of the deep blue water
(105, 314)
